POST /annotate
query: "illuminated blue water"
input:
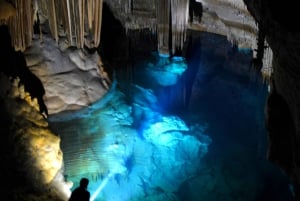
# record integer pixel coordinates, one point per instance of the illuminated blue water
(163, 135)
(223, 93)
(230, 99)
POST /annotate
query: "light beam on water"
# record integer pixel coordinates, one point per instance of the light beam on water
(101, 186)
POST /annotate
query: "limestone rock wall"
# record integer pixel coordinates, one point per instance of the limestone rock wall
(31, 157)
(283, 37)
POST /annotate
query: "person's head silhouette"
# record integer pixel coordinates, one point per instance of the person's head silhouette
(84, 182)
(81, 193)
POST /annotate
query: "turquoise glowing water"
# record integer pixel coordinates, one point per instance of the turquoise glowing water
(229, 98)
(216, 107)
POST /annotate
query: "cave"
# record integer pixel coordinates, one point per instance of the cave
(150, 100)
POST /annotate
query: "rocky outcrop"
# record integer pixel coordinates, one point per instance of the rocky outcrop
(61, 68)
(31, 158)
(283, 108)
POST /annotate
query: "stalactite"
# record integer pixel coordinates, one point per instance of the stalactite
(179, 15)
(86, 12)
(97, 18)
(69, 22)
(125, 6)
(128, 6)
(78, 20)
(52, 19)
(28, 24)
(35, 10)
(66, 19)
(18, 34)
(267, 68)
(73, 21)
(21, 25)
(80, 42)
(97, 22)
(163, 21)
(90, 13)
(174, 13)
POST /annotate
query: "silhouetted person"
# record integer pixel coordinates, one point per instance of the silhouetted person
(81, 193)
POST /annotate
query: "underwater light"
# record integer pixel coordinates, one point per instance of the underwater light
(101, 186)
(178, 58)
(164, 55)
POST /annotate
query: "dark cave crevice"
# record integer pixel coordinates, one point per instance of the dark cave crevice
(13, 65)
